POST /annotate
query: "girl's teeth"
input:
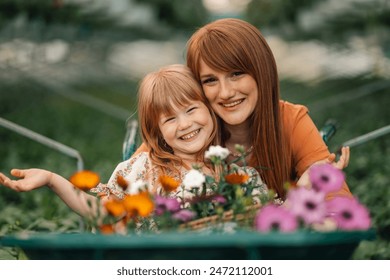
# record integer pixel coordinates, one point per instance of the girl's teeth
(189, 136)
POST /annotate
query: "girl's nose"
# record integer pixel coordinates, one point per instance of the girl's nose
(184, 122)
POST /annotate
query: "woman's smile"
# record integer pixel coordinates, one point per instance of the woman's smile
(232, 104)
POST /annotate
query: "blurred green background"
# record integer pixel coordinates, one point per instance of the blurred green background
(69, 70)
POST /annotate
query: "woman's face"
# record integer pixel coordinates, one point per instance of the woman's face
(233, 95)
(188, 129)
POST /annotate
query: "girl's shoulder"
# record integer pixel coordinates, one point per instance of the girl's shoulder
(140, 157)
(136, 167)
(139, 160)
(132, 170)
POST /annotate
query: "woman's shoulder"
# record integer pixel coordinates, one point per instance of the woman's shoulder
(292, 114)
(290, 109)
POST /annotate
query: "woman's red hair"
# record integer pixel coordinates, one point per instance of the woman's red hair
(233, 44)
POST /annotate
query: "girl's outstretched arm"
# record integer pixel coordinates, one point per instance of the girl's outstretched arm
(30, 179)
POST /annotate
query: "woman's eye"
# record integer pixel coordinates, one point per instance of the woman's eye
(237, 73)
(208, 80)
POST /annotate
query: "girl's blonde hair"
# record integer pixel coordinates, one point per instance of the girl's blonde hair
(233, 44)
(159, 93)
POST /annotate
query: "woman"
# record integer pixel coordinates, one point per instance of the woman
(236, 68)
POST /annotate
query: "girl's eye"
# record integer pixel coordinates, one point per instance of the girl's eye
(168, 119)
(191, 109)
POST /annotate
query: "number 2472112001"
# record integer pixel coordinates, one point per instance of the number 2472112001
(230, 270)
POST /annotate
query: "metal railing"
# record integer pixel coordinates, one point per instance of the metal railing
(368, 136)
(45, 141)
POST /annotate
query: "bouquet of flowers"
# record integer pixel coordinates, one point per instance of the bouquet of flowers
(232, 198)
(306, 206)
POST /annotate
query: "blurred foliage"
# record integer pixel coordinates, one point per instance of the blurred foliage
(275, 12)
(179, 14)
(363, 18)
(89, 18)
(54, 11)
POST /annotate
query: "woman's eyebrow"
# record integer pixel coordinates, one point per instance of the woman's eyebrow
(206, 76)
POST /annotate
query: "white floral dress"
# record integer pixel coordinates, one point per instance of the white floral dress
(140, 168)
(137, 168)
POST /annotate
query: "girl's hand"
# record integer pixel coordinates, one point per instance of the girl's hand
(30, 179)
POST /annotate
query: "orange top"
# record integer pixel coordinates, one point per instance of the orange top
(306, 142)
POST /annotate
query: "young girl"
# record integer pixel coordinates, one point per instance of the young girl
(177, 125)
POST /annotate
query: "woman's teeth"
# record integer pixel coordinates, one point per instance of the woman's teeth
(232, 104)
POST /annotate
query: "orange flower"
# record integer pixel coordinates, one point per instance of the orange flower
(85, 180)
(168, 183)
(122, 182)
(107, 229)
(115, 207)
(139, 204)
(236, 179)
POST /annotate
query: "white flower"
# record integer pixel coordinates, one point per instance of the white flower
(217, 151)
(138, 186)
(193, 179)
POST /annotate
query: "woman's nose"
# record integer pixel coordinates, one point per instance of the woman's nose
(226, 90)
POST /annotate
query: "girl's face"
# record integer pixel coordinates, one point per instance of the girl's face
(188, 129)
(233, 95)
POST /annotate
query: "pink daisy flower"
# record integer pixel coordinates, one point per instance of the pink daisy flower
(219, 199)
(272, 217)
(307, 204)
(163, 204)
(184, 215)
(349, 214)
(326, 178)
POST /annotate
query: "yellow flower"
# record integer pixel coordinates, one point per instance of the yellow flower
(85, 180)
(236, 179)
(107, 229)
(139, 204)
(115, 207)
(168, 183)
(122, 182)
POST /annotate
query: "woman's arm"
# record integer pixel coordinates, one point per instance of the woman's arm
(307, 145)
(340, 164)
(30, 179)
